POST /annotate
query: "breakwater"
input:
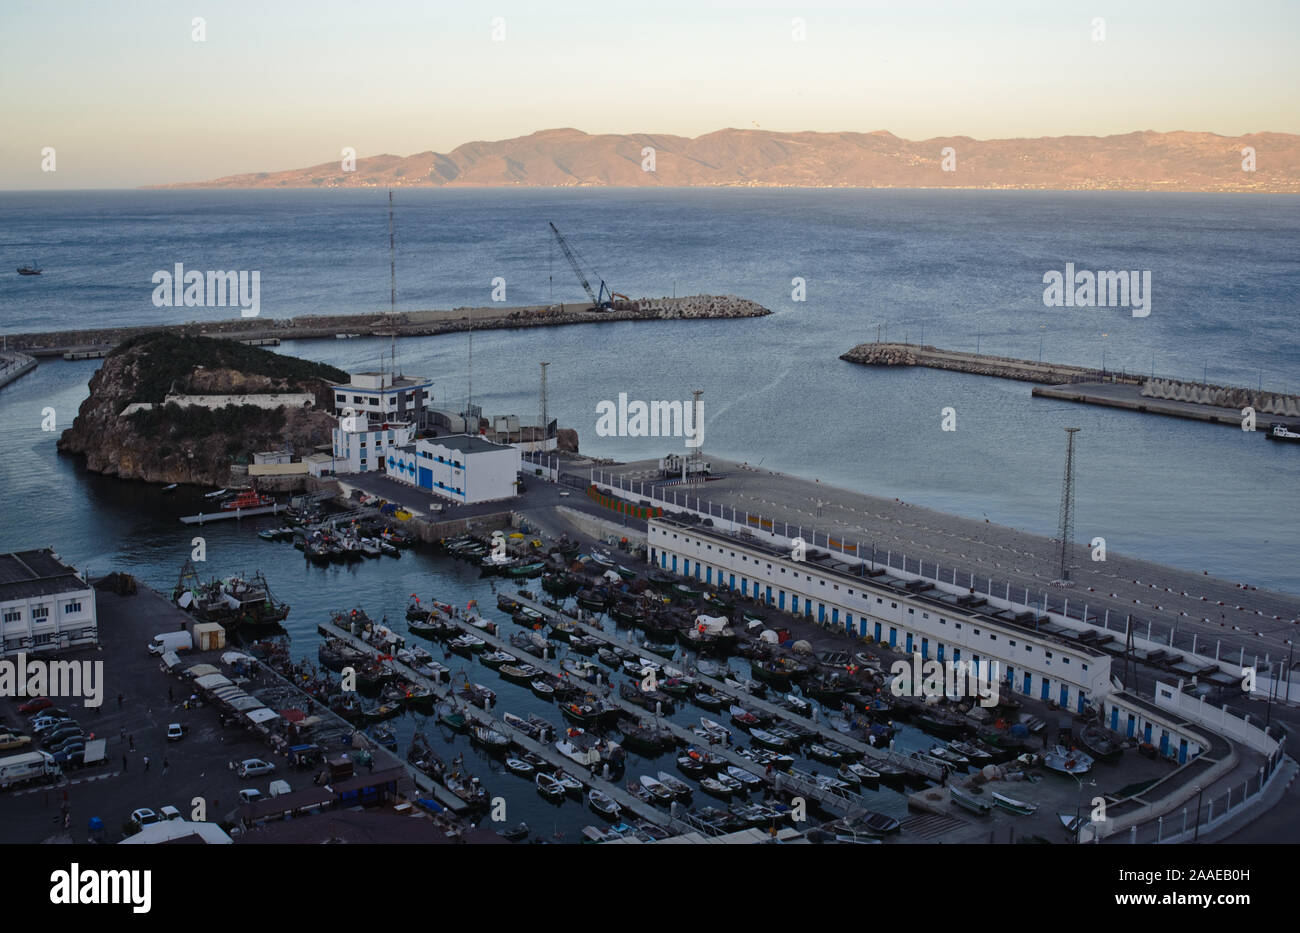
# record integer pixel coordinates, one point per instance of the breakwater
(13, 365)
(1003, 367)
(401, 324)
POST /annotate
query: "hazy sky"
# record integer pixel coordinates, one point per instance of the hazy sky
(126, 96)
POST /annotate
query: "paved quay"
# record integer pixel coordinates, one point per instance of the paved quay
(1244, 620)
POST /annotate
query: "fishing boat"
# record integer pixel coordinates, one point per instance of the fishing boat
(714, 731)
(601, 558)
(1015, 806)
(880, 824)
(171, 487)
(710, 699)
(520, 767)
(1100, 742)
(467, 787)
(968, 801)
(216, 494)
(657, 790)
(744, 718)
(489, 739)
(715, 788)
(768, 758)
(524, 570)
(549, 787)
(821, 753)
(1070, 762)
(769, 739)
(868, 777)
(1276, 430)
(571, 784)
(466, 644)
(496, 659)
(542, 688)
(29, 269)
(249, 499)
(603, 804)
(479, 695)
(681, 790)
(748, 779)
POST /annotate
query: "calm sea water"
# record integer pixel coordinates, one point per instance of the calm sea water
(964, 269)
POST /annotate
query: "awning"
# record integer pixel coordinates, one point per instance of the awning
(234, 657)
(245, 703)
(262, 714)
(202, 670)
(212, 681)
(293, 715)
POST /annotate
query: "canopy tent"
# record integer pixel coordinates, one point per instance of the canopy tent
(212, 681)
(768, 636)
(202, 670)
(261, 714)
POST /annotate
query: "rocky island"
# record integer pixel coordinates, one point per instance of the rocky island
(170, 409)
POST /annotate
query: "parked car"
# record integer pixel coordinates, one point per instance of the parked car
(252, 767)
(74, 758)
(60, 732)
(250, 795)
(169, 813)
(8, 740)
(143, 817)
(51, 712)
(45, 723)
(35, 705)
(176, 732)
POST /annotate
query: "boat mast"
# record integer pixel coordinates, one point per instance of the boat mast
(392, 282)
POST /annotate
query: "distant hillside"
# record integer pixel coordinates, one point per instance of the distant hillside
(1143, 161)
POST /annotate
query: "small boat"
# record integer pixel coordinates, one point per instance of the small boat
(570, 783)
(1276, 431)
(518, 834)
(748, 779)
(681, 790)
(744, 718)
(1073, 824)
(214, 495)
(968, 801)
(714, 731)
(880, 824)
(715, 788)
(549, 787)
(520, 767)
(247, 500)
(824, 754)
(29, 269)
(170, 488)
(1070, 762)
(488, 738)
(1100, 742)
(542, 689)
(1015, 806)
(868, 777)
(601, 557)
(603, 804)
(769, 739)
(658, 791)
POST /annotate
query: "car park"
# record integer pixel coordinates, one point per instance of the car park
(252, 767)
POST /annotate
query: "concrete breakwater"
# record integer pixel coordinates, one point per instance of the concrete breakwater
(1003, 367)
(402, 324)
(13, 365)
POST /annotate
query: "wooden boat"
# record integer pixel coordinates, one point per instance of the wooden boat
(1103, 744)
(681, 790)
(769, 739)
(571, 784)
(536, 728)
(714, 731)
(715, 788)
(768, 758)
(691, 767)
(822, 753)
(1015, 806)
(710, 699)
(520, 767)
(748, 779)
(867, 777)
(1070, 762)
(549, 787)
(743, 718)
(479, 695)
(489, 739)
(658, 791)
(968, 801)
(467, 788)
(522, 674)
(542, 688)
(603, 804)
(880, 824)
(496, 659)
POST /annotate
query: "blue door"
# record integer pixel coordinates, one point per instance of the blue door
(1011, 676)
(731, 581)
(1114, 719)
(835, 617)
(794, 604)
(925, 648)
(744, 587)
(862, 627)
(782, 598)
(769, 596)
(1047, 686)
(426, 478)
(877, 631)
(1164, 743)
(663, 560)
(893, 637)
(1029, 683)
(909, 643)
(674, 563)
(1065, 696)
(821, 613)
(1132, 725)
(1081, 701)
(1182, 751)
(708, 575)
(939, 652)
(697, 570)
(848, 623)
(686, 567)
(1146, 733)
(956, 655)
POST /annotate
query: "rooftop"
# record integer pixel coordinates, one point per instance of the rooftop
(465, 443)
(24, 574)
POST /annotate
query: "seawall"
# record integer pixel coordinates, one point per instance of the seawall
(1003, 367)
(13, 365)
(401, 324)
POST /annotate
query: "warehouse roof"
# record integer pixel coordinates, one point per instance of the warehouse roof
(24, 574)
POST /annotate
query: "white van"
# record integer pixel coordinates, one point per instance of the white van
(278, 788)
(171, 641)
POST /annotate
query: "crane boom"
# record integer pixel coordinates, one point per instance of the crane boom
(577, 269)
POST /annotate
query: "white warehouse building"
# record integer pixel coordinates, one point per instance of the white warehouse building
(462, 467)
(913, 618)
(44, 604)
(362, 445)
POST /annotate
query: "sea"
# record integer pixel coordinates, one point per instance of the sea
(960, 270)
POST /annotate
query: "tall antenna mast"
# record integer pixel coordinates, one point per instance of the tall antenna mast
(469, 396)
(392, 281)
(697, 455)
(1065, 531)
(542, 406)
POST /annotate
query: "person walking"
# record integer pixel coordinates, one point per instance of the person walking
(146, 762)
(166, 766)
(124, 767)
(170, 697)
(131, 740)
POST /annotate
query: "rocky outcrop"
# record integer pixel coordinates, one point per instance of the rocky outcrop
(566, 439)
(174, 444)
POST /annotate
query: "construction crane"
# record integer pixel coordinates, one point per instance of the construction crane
(598, 301)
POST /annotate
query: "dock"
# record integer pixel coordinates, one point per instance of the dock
(205, 517)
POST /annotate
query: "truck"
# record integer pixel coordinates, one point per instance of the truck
(23, 769)
(164, 642)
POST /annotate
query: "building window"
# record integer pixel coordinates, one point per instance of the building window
(993, 638)
(977, 631)
(1065, 660)
(71, 607)
(925, 615)
(1029, 648)
(1049, 654)
(911, 611)
(40, 612)
(893, 605)
(1013, 644)
(41, 639)
(957, 625)
(13, 615)
(340, 398)
(1084, 666)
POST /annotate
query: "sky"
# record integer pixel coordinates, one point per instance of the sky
(126, 96)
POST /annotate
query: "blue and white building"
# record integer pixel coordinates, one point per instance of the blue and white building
(385, 397)
(461, 468)
(44, 604)
(362, 445)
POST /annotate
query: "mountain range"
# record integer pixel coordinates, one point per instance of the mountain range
(1139, 161)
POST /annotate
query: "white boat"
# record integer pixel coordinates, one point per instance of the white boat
(1067, 761)
(747, 778)
(658, 790)
(680, 788)
(603, 804)
(214, 495)
(967, 801)
(714, 731)
(548, 786)
(1014, 805)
